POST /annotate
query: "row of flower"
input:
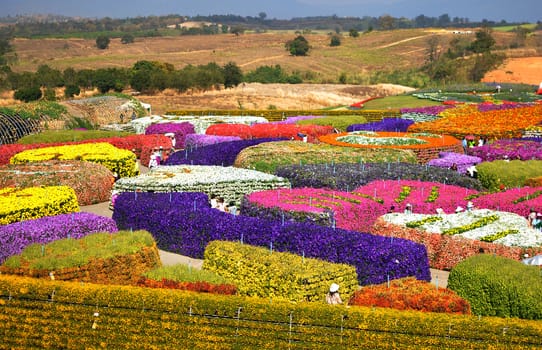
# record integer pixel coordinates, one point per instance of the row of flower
(94, 316)
(35, 202)
(386, 124)
(449, 160)
(119, 161)
(467, 119)
(179, 130)
(185, 224)
(91, 182)
(290, 131)
(134, 143)
(227, 182)
(508, 149)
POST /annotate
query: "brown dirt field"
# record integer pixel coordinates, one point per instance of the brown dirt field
(527, 70)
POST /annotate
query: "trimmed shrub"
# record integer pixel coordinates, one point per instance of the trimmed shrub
(184, 223)
(264, 273)
(105, 258)
(267, 157)
(181, 130)
(411, 294)
(496, 286)
(501, 174)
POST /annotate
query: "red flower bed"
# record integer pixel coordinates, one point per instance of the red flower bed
(201, 287)
(444, 251)
(134, 143)
(411, 294)
(265, 130)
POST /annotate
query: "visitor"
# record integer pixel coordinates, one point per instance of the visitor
(497, 88)
(155, 159)
(220, 205)
(134, 116)
(472, 171)
(408, 209)
(537, 222)
(454, 167)
(392, 209)
(459, 209)
(470, 206)
(232, 208)
(213, 201)
(333, 297)
(464, 144)
(531, 217)
(440, 211)
(121, 118)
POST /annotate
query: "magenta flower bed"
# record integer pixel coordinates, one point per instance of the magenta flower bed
(447, 159)
(508, 148)
(200, 140)
(515, 200)
(358, 210)
(15, 237)
(179, 129)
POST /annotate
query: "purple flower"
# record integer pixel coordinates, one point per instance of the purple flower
(179, 129)
(386, 124)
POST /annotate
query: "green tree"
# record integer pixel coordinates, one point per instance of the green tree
(27, 94)
(237, 30)
(232, 75)
(102, 42)
(335, 40)
(71, 90)
(484, 41)
(127, 39)
(298, 46)
(353, 33)
(48, 77)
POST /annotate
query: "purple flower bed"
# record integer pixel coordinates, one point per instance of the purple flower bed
(184, 223)
(486, 107)
(200, 140)
(294, 120)
(179, 129)
(15, 237)
(447, 159)
(223, 153)
(346, 177)
(508, 148)
(386, 124)
(431, 110)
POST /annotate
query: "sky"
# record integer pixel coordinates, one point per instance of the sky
(474, 10)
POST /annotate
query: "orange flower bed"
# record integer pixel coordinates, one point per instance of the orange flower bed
(467, 119)
(411, 294)
(426, 151)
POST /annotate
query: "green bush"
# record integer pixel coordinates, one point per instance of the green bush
(53, 136)
(184, 273)
(262, 272)
(497, 286)
(71, 90)
(511, 174)
(338, 122)
(28, 94)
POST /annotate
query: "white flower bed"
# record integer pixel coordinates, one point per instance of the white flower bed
(201, 123)
(526, 237)
(227, 182)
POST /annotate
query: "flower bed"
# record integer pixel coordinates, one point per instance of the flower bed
(134, 143)
(345, 177)
(200, 287)
(117, 160)
(223, 153)
(91, 182)
(289, 131)
(359, 209)
(267, 157)
(180, 130)
(200, 140)
(183, 223)
(411, 294)
(467, 119)
(425, 146)
(448, 159)
(200, 122)
(103, 258)
(35, 202)
(227, 182)
(15, 237)
(510, 148)
(386, 124)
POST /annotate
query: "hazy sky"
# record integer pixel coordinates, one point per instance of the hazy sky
(474, 10)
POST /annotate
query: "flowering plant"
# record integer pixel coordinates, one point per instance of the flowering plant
(180, 130)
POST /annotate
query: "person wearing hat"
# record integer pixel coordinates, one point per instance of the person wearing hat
(470, 206)
(408, 208)
(333, 297)
(531, 217)
(537, 222)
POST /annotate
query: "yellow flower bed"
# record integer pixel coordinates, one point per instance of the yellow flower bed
(73, 315)
(121, 161)
(35, 202)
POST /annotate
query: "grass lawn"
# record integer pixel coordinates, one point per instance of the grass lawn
(401, 101)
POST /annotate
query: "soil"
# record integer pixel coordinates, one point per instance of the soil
(526, 70)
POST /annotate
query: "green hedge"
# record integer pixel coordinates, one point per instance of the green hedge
(277, 115)
(264, 273)
(511, 174)
(47, 314)
(497, 286)
(338, 122)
